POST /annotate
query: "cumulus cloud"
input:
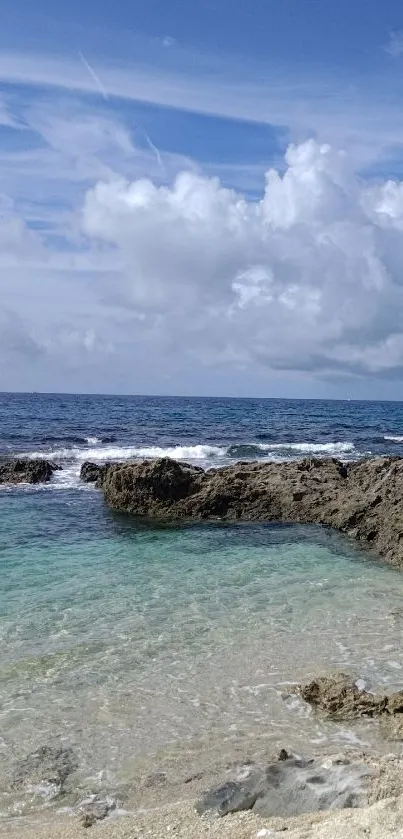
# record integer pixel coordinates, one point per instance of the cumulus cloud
(307, 278)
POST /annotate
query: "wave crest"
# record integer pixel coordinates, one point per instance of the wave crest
(199, 452)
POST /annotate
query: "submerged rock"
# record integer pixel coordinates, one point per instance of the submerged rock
(27, 471)
(290, 787)
(48, 765)
(362, 499)
(340, 698)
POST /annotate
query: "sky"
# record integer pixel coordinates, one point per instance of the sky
(202, 199)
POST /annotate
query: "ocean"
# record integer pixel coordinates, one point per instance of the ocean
(172, 649)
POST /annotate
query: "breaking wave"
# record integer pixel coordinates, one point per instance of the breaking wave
(98, 453)
(393, 439)
(315, 448)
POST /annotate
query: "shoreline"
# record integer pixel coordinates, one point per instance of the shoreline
(373, 783)
(381, 820)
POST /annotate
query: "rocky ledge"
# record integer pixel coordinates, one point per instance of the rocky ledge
(362, 499)
(18, 471)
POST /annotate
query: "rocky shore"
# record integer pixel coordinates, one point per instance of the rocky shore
(362, 499)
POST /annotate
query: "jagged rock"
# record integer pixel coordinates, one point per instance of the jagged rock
(362, 499)
(19, 471)
(49, 765)
(340, 698)
(291, 786)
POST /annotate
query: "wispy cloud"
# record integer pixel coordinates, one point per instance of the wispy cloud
(394, 46)
(7, 118)
(168, 41)
(356, 118)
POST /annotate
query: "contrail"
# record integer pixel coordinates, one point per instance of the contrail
(156, 152)
(93, 74)
(103, 93)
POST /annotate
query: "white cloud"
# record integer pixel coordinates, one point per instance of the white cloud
(308, 278)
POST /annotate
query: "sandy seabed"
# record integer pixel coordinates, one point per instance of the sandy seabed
(381, 820)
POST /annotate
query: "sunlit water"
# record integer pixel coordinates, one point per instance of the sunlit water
(142, 647)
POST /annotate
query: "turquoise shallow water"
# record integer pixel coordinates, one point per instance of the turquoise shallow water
(144, 646)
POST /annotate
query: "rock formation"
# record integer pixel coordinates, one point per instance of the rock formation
(362, 499)
(339, 697)
(18, 471)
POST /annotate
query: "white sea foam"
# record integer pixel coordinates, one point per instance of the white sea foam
(393, 439)
(198, 452)
(308, 448)
(92, 441)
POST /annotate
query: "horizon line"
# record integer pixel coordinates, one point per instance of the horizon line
(194, 396)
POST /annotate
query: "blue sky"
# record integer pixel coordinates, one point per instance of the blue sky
(144, 247)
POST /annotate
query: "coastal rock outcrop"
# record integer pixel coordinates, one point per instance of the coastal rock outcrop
(340, 698)
(362, 499)
(25, 470)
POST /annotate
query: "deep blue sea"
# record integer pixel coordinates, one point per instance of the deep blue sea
(145, 648)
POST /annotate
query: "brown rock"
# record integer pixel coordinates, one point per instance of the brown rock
(361, 499)
(340, 698)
